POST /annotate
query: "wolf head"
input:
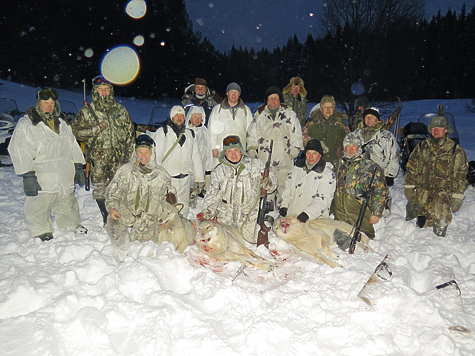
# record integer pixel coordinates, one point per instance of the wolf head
(211, 237)
(168, 212)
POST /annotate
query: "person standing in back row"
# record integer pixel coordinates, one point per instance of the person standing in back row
(45, 153)
(108, 132)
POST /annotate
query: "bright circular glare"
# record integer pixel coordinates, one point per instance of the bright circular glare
(121, 65)
(139, 40)
(136, 8)
(89, 52)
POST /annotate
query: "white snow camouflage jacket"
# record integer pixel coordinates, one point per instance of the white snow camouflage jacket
(202, 139)
(310, 192)
(234, 192)
(286, 132)
(35, 147)
(382, 149)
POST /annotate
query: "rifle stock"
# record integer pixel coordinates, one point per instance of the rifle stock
(88, 180)
(263, 234)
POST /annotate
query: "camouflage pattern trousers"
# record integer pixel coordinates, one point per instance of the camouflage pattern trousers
(435, 206)
(101, 174)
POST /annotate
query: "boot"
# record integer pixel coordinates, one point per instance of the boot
(440, 230)
(421, 221)
(45, 237)
(101, 203)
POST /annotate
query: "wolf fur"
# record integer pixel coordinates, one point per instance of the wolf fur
(316, 236)
(225, 243)
(174, 228)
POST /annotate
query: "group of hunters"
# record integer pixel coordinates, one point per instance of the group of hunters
(216, 149)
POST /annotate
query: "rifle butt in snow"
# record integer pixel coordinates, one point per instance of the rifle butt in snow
(381, 273)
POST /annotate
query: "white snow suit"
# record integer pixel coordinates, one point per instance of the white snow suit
(309, 192)
(234, 192)
(183, 162)
(36, 147)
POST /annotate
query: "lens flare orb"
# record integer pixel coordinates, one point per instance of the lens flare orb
(121, 65)
(136, 9)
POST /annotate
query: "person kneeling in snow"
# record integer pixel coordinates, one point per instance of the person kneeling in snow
(310, 185)
(46, 154)
(135, 195)
(235, 187)
(435, 179)
(355, 173)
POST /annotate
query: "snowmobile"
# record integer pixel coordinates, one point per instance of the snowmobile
(69, 109)
(9, 116)
(415, 132)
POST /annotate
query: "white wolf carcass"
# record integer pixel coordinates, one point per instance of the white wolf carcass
(317, 236)
(174, 227)
(225, 243)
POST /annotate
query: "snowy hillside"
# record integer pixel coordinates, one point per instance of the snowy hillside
(75, 295)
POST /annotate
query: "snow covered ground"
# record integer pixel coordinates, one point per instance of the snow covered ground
(75, 295)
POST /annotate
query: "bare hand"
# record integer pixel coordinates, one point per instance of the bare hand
(114, 214)
(373, 220)
(215, 153)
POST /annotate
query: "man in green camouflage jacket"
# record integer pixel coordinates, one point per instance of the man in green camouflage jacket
(329, 127)
(295, 97)
(107, 130)
(354, 176)
(435, 179)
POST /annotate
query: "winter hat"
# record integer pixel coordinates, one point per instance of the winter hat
(194, 109)
(201, 81)
(372, 111)
(274, 90)
(296, 81)
(233, 86)
(46, 94)
(314, 145)
(327, 99)
(144, 140)
(353, 139)
(439, 121)
(230, 142)
(176, 110)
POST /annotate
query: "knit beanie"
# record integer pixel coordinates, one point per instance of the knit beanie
(233, 86)
(176, 110)
(372, 111)
(274, 90)
(314, 145)
(327, 99)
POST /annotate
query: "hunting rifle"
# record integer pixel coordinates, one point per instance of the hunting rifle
(87, 185)
(263, 234)
(394, 118)
(356, 231)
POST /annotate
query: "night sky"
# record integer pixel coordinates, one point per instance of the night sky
(270, 23)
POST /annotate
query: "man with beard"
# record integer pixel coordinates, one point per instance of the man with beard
(178, 153)
(108, 132)
(198, 94)
(435, 179)
(45, 153)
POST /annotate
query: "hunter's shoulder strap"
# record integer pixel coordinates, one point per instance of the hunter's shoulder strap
(172, 148)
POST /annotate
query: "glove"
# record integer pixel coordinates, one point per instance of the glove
(455, 203)
(283, 212)
(79, 177)
(294, 152)
(390, 181)
(302, 217)
(170, 198)
(410, 193)
(30, 184)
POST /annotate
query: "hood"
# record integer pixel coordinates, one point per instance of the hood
(195, 110)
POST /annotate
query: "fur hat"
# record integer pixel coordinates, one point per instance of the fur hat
(314, 145)
(201, 81)
(353, 139)
(439, 121)
(274, 90)
(176, 110)
(372, 111)
(327, 99)
(233, 86)
(296, 81)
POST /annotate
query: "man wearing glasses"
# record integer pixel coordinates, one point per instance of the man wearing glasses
(45, 153)
(107, 130)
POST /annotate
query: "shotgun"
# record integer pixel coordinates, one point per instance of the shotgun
(263, 234)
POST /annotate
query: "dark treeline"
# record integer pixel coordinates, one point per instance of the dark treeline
(43, 44)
